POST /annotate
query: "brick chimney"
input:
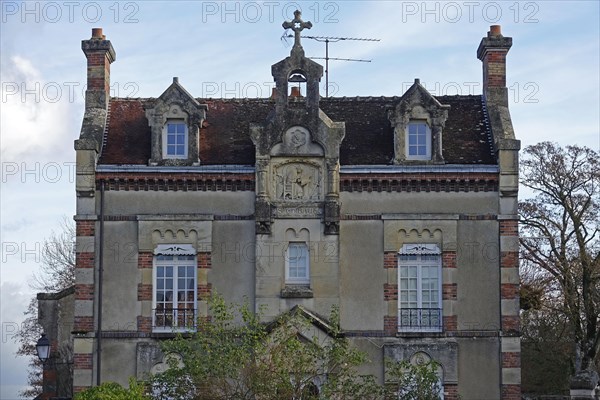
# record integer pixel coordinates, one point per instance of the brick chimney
(100, 54)
(492, 52)
(295, 92)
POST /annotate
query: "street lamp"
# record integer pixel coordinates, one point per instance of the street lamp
(43, 348)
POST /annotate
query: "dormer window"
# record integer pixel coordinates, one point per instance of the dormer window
(175, 119)
(418, 141)
(175, 140)
(418, 120)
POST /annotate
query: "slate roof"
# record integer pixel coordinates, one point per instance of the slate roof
(224, 138)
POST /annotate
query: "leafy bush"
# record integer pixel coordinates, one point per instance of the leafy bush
(114, 391)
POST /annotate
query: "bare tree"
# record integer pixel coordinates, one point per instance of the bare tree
(560, 240)
(57, 272)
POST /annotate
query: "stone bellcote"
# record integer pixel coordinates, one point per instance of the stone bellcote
(297, 147)
(297, 68)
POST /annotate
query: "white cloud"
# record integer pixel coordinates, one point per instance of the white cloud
(36, 121)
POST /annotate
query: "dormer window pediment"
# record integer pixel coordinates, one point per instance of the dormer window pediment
(175, 119)
(418, 120)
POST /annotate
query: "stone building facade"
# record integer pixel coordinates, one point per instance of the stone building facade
(401, 211)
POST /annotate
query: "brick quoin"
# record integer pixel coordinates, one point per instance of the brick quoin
(449, 291)
(390, 291)
(511, 392)
(85, 228)
(205, 259)
(83, 324)
(449, 259)
(144, 291)
(84, 291)
(82, 361)
(511, 360)
(509, 291)
(390, 259)
(84, 259)
(509, 259)
(390, 325)
(450, 323)
(509, 228)
(144, 324)
(511, 323)
(204, 291)
(145, 259)
(450, 392)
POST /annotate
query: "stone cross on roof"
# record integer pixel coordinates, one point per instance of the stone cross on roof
(297, 25)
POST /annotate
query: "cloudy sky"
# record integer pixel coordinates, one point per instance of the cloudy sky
(226, 49)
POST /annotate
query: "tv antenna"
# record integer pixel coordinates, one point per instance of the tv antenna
(332, 39)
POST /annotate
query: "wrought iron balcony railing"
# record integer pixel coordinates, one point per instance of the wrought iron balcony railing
(420, 319)
(168, 319)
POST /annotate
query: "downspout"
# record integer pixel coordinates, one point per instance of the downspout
(100, 278)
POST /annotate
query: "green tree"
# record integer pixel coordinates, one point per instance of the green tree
(114, 391)
(253, 360)
(407, 381)
(560, 240)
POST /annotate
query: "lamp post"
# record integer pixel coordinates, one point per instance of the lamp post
(51, 375)
(43, 348)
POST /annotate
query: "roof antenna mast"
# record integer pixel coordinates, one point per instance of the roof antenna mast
(330, 39)
(297, 25)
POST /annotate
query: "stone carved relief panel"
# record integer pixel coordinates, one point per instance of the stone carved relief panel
(297, 140)
(297, 181)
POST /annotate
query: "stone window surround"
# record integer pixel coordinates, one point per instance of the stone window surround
(420, 249)
(175, 103)
(418, 104)
(174, 250)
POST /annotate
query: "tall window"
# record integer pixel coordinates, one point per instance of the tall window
(297, 265)
(418, 141)
(175, 289)
(175, 143)
(420, 288)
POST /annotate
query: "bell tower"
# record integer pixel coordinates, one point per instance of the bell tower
(298, 129)
(297, 189)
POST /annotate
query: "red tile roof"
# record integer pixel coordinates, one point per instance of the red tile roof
(224, 138)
